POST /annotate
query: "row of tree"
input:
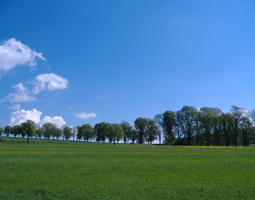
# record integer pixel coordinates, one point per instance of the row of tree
(204, 126)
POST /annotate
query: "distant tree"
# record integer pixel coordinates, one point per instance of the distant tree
(101, 131)
(237, 113)
(151, 130)
(1, 132)
(168, 126)
(87, 132)
(187, 121)
(57, 133)
(206, 125)
(159, 122)
(74, 132)
(125, 126)
(79, 132)
(140, 126)
(16, 130)
(216, 126)
(131, 134)
(48, 130)
(245, 125)
(39, 131)
(29, 129)
(116, 132)
(197, 127)
(67, 132)
(227, 124)
(7, 130)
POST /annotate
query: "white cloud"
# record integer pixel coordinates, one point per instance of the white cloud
(99, 97)
(49, 81)
(83, 115)
(21, 116)
(69, 108)
(15, 107)
(21, 94)
(57, 121)
(13, 53)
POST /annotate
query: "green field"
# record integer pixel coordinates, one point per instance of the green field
(47, 169)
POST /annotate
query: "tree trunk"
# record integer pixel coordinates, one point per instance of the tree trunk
(114, 142)
(27, 139)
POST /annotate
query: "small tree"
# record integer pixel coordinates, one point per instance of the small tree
(67, 132)
(29, 129)
(17, 130)
(57, 133)
(87, 132)
(48, 130)
(7, 130)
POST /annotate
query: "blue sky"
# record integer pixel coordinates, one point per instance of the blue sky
(109, 61)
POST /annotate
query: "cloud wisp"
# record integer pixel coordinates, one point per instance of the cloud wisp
(14, 53)
(84, 115)
(49, 82)
(15, 107)
(21, 94)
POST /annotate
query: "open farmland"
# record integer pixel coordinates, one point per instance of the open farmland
(76, 170)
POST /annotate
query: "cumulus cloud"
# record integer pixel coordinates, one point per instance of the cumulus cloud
(21, 94)
(84, 115)
(14, 53)
(57, 121)
(15, 107)
(49, 81)
(22, 115)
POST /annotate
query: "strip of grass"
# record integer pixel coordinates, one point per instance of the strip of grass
(75, 170)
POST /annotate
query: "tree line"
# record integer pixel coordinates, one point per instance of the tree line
(188, 126)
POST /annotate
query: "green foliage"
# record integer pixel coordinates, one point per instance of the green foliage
(151, 130)
(48, 130)
(168, 126)
(57, 133)
(29, 129)
(87, 132)
(67, 132)
(140, 126)
(7, 130)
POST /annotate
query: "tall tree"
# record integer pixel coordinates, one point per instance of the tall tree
(151, 130)
(237, 113)
(227, 124)
(159, 122)
(79, 133)
(168, 126)
(29, 129)
(125, 126)
(39, 132)
(245, 125)
(206, 124)
(140, 125)
(187, 121)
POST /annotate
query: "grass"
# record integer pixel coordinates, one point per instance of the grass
(75, 170)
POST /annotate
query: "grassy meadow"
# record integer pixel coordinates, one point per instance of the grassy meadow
(46, 169)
